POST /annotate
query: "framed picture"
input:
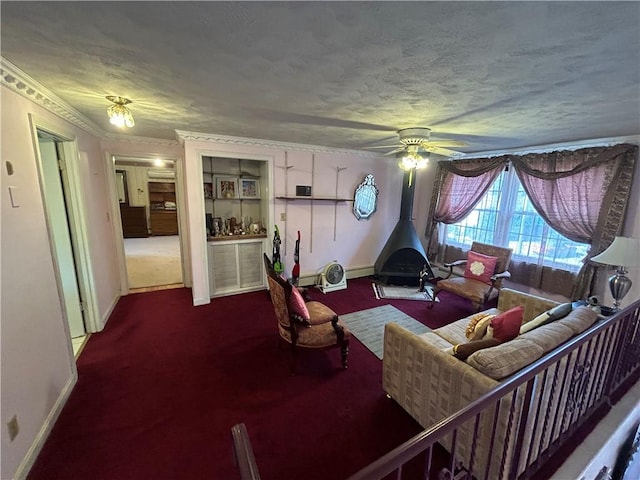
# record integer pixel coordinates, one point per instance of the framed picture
(249, 188)
(227, 187)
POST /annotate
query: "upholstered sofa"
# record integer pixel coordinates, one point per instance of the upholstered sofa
(422, 375)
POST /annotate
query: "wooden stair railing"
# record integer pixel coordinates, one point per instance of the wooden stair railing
(243, 453)
(614, 360)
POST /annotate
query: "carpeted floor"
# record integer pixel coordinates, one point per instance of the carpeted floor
(153, 261)
(161, 386)
(368, 325)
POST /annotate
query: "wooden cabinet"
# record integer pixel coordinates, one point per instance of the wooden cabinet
(235, 266)
(163, 217)
(164, 222)
(134, 221)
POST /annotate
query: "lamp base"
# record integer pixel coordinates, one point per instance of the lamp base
(619, 286)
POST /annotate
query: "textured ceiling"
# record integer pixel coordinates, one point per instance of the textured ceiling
(497, 75)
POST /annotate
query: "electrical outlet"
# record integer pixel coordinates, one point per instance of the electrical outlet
(13, 428)
(283, 217)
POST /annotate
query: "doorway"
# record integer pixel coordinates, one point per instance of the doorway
(54, 157)
(147, 202)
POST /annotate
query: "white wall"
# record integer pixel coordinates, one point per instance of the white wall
(357, 243)
(37, 361)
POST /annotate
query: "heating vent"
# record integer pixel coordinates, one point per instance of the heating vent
(235, 266)
(225, 273)
(250, 255)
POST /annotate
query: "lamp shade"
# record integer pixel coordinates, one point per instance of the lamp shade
(623, 251)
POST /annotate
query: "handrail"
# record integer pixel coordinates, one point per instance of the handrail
(243, 453)
(423, 442)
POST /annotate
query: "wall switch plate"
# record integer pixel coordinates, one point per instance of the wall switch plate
(283, 217)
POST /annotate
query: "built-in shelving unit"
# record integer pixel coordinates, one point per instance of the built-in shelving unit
(236, 211)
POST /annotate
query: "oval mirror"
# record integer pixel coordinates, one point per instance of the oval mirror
(365, 200)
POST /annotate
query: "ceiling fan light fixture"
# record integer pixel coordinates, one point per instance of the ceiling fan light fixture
(119, 114)
(413, 161)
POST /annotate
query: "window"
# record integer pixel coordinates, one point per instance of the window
(506, 217)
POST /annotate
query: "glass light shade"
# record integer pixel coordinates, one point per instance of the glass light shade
(120, 116)
(623, 251)
(412, 160)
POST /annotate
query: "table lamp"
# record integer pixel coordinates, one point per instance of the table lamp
(623, 252)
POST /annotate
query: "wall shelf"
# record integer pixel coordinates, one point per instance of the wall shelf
(326, 199)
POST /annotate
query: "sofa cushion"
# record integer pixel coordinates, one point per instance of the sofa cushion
(298, 305)
(477, 326)
(505, 359)
(550, 315)
(456, 332)
(480, 267)
(579, 319)
(435, 340)
(506, 326)
(463, 350)
(549, 336)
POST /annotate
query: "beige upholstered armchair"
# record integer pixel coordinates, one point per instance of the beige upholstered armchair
(485, 269)
(305, 324)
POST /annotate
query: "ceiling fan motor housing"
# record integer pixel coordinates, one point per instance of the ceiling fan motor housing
(414, 136)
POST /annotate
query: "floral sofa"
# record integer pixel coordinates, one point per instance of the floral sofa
(422, 375)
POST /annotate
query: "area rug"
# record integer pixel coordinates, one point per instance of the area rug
(368, 325)
(402, 293)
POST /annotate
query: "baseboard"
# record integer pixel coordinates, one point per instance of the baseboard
(31, 456)
(309, 280)
(107, 314)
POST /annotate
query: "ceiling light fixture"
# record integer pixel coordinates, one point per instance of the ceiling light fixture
(413, 160)
(119, 114)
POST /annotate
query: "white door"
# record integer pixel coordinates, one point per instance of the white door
(61, 238)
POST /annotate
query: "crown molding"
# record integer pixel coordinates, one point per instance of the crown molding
(258, 142)
(138, 140)
(18, 81)
(597, 142)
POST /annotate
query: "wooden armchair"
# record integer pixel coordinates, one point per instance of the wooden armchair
(305, 324)
(485, 269)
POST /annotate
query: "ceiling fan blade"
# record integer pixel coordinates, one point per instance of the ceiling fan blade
(441, 151)
(385, 146)
(447, 143)
(392, 152)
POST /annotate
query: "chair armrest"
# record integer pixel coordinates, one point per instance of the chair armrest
(450, 266)
(498, 276)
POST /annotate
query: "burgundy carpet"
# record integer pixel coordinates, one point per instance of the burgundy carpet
(160, 388)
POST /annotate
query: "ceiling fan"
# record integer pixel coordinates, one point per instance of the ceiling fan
(416, 141)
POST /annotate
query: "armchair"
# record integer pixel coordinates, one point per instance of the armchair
(485, 269)
(305, 324)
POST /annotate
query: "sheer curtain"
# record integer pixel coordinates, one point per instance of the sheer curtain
(459, 187)
(581, 194)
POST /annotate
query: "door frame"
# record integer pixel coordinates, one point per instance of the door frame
(76, 215)
(110, 167)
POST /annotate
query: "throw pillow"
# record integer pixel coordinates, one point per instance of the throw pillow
(463, 350)
(298, 305)
(477, 327)
(555, 313)
(480, 267)
(506, 326)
